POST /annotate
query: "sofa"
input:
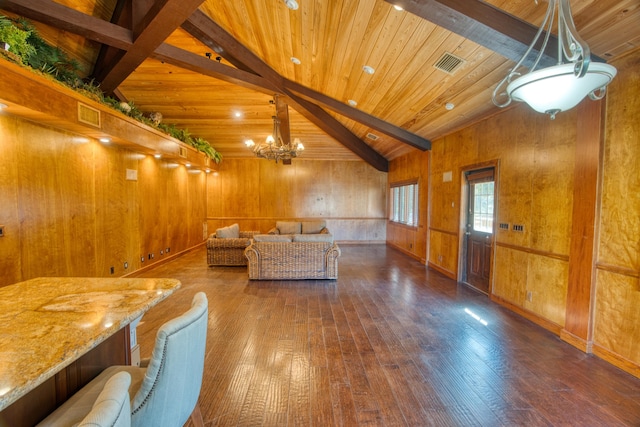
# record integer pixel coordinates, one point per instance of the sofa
(293, 251)
(226, 246)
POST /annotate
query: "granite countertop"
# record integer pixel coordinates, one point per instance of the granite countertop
(47, 323)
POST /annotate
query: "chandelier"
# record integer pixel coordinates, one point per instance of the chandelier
(562, 86)
(275, 147)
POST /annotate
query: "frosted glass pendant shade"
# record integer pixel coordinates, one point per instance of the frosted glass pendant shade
(555, 89)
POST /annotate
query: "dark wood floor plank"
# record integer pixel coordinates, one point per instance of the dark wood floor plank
(389, 343)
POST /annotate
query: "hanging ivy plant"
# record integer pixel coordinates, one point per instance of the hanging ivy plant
(28, 48)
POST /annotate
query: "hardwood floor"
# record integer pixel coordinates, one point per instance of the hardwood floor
(388, 343)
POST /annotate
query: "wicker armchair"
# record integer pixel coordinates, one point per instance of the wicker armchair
(228, 251)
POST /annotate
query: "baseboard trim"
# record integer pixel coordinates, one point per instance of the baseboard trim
(449, 274)
(533, 317)
(406, 252)
(163, 261)
(617, 360)
(576, 341)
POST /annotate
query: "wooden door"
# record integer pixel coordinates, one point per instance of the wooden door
(479, 234)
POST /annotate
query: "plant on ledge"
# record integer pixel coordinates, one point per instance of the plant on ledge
(23, 46)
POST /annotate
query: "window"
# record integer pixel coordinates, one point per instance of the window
(483, 207)
(404, 204)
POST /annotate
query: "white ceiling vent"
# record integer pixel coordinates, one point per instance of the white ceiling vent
(372, 136)
(449, 63)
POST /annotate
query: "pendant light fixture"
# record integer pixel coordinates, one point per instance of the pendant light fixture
(562, 86)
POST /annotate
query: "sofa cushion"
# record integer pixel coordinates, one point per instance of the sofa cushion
(313, 227)
(230, 232)
(313, 238)
(289, 227)
(272, 237)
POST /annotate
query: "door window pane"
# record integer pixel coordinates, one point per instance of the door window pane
(483, 207)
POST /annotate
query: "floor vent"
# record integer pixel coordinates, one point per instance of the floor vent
(372, 136)
(449, 63)
(88, 115)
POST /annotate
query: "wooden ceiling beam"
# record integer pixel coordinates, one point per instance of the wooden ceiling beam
(65, 18)
(483, 24)
(282, 113)
(358, 115)
(200, 25)
(150, 32)
(199, 64)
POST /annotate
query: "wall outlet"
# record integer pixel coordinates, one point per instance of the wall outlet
(112, 270)
(529, 296)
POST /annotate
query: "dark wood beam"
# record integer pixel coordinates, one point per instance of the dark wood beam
(358, 115)
(161, 20)
(108, 55)
(482, 23)
(313, 113)
(336, 130)
(282, 113)
(65, 18)
(200, 64)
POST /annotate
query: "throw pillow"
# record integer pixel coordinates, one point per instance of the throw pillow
(313, 227)
(230, 232)
(313, 238)
(289, 227)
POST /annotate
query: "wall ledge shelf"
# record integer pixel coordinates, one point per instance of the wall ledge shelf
(34, 97)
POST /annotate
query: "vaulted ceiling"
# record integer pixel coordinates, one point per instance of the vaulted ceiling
(212, 66)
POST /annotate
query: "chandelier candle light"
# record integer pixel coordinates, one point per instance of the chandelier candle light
(562, 86)
(274, 147)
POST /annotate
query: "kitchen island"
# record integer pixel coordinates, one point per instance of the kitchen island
(56, 334)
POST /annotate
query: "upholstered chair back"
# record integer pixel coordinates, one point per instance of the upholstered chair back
(171, 385)
(111, 408)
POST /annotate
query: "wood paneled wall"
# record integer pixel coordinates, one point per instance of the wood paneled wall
(540, 169)
(255, 193)
(534, 189)
(68, 210)
(617, 301)
(410, 240)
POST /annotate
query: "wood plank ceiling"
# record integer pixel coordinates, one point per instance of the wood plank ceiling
(213, 66)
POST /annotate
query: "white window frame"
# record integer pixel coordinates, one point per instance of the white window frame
(403, 203)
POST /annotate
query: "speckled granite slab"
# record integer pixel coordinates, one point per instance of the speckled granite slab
(47, 323)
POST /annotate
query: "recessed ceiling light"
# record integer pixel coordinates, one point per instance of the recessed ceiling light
(449, 106)
(295, 60)
(352, 102)
(157, 155)
(291, 4)
(367, 69)
(396, 7)
(238, 114)
(3, 106)
(105, 140)
(188, 165)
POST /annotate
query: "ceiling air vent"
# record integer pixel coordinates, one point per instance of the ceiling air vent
(88, 115)
(449, 63)
(372, 136)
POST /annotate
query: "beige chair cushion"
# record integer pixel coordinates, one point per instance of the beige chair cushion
(272, 238)
(230, 232)
(313, 227)
(313, 238)
(289, 227)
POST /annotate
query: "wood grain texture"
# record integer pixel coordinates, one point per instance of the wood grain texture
(73, 213)
(350, 196)
(388, 344)
(411, 168)
(617, 286)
